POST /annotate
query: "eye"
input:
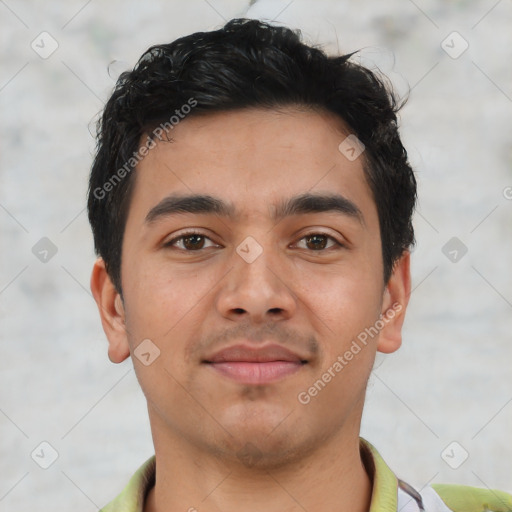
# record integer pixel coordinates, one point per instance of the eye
(190, 241)
(319, 241)
(195, 241)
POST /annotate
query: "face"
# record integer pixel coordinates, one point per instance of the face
(251, 295)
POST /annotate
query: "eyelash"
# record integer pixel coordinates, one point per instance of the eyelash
(170, 243)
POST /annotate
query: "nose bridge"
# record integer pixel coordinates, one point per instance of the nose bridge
(254, 262)
(256, 285)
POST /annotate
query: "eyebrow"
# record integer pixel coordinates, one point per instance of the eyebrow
(296, 205)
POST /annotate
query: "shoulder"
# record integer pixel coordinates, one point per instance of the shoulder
(463, 498)
(390, 493)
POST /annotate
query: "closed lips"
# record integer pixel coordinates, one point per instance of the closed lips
(255, 366)
(244, 353)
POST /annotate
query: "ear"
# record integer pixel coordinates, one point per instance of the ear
(110, 306)
(394, 303)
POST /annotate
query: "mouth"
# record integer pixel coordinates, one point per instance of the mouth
(256, 366)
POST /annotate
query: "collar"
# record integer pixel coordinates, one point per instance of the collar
(384, 481)
(384, 484)
(134, 494)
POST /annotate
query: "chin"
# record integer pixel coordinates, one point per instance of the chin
(264, 453)
(267, 443)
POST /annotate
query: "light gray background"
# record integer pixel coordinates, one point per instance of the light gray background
(451, 380)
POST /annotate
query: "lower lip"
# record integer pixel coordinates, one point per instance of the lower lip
(257, 373)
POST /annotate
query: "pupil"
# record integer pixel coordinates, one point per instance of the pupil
(317, 238)
(198, 239)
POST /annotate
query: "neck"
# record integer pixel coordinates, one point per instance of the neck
(331, 477)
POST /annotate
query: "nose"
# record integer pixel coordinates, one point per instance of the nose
(258, 291)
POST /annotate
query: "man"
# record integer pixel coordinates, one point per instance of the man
(251, 205)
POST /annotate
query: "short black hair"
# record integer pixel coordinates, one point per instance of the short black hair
(246, 63)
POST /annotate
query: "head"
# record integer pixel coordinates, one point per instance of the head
(250, 188)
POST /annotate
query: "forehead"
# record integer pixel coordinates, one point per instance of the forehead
(252, 158)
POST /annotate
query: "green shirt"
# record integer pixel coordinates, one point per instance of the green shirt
(389, 494)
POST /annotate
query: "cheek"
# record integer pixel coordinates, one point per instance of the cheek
(149, 290)
(152, 287)
(345, 298)
(163, 300)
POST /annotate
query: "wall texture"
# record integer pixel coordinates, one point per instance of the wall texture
(438, 410)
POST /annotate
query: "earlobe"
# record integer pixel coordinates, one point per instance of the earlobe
(394, 304)
(111, 309)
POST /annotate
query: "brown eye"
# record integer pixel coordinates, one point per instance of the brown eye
(193, 242)
(189, 242)
(319, 242)
(316, 242)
